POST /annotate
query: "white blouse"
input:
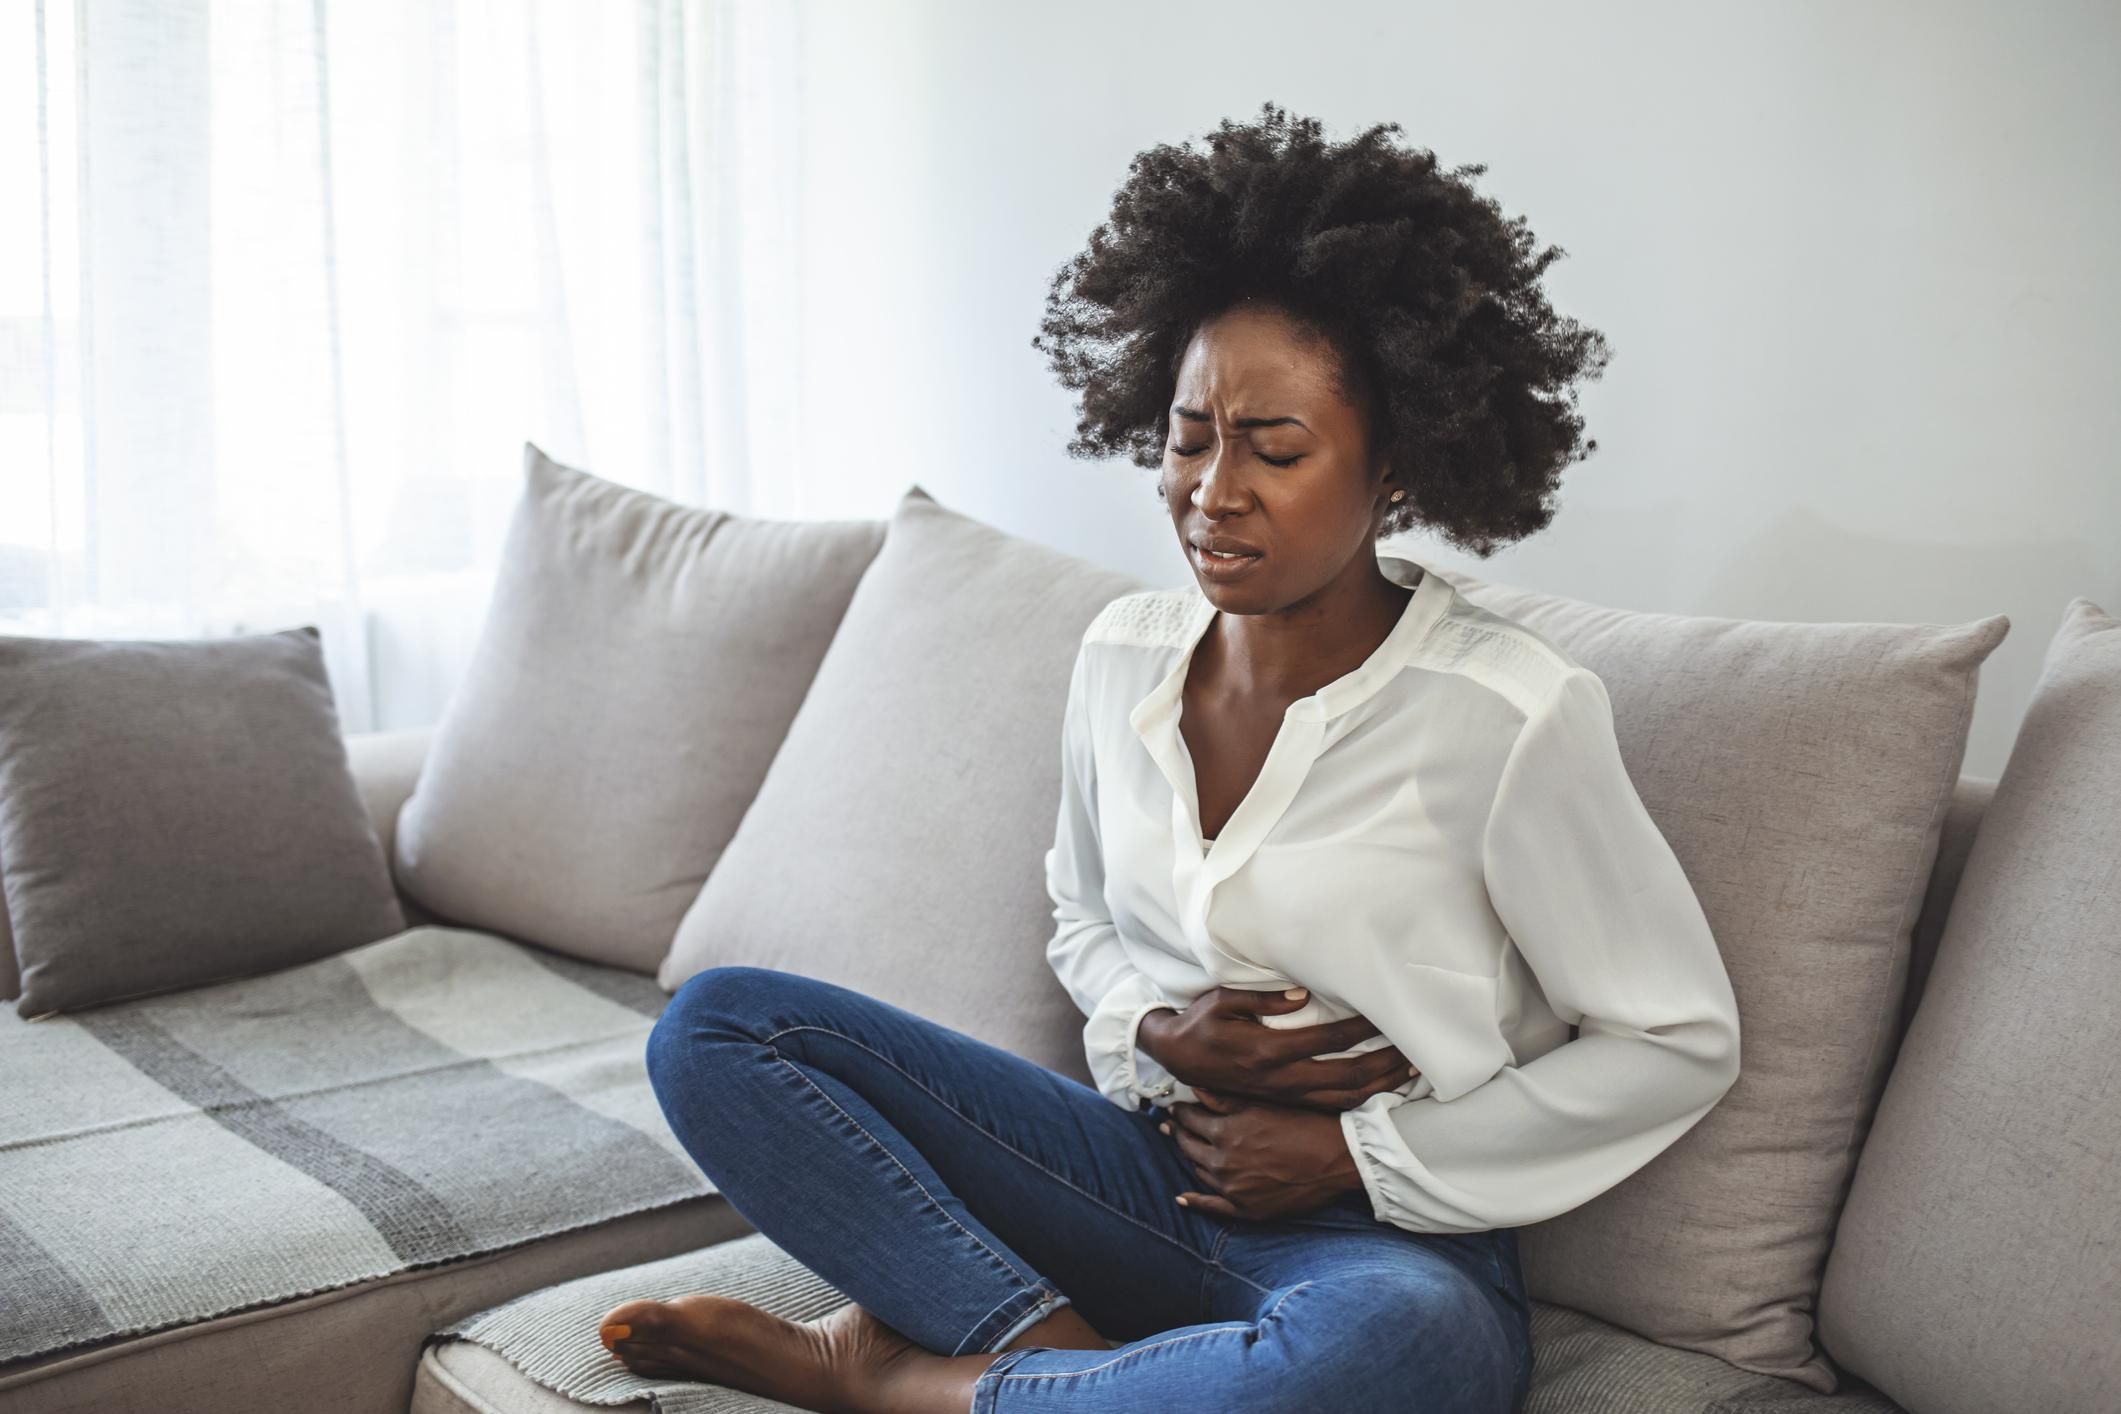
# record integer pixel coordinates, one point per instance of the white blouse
(1444, 840)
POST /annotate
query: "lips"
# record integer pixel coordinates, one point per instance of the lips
(1216, 566)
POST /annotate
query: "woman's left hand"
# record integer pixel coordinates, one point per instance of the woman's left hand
(1262, 1160)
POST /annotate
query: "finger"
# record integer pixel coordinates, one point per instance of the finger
(1210, 1203)
(1192, 1119)
(1353, 1072)
(1394, 1073)
(1296, 1042)
(1252, 1001)
(1197, 1152)
(1365, 1066)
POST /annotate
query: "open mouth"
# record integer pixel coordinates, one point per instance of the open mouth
(1215, 564)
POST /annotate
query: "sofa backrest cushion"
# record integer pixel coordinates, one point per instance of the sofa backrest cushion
(636, 670)
(897, 845)
(177, 812)
(1801, 772)
(10, 979)
(1962, 824)
(1975, 1266)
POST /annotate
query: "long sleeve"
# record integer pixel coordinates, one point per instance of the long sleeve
(1593, 897)
(1086, 951)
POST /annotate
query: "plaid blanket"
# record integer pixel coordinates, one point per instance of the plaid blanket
(428, 1097)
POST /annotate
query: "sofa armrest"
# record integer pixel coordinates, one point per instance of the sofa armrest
(385, 765)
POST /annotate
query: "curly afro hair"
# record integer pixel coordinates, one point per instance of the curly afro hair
(1427, 293)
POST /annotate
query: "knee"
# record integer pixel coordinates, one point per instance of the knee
(736, 1003)
(1431, 1317)
(1372, 1344)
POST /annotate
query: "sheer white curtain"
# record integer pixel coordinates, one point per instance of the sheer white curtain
(286, 284)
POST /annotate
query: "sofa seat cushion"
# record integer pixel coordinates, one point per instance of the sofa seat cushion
(425, 1098)
(540, 1354)
(351, 1350)
(547, 1344)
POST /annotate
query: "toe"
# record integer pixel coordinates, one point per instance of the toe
(632, 1320)
(650, 1361)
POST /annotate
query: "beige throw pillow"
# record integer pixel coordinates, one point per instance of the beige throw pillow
(635, 673)
(897, 845)
(1801, 772)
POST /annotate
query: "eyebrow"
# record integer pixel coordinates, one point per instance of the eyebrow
(1196, 415)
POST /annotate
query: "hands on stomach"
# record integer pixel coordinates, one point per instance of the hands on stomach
(1219, 1043)
(1265, 1139)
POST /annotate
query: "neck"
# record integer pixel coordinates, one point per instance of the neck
(1292, 652)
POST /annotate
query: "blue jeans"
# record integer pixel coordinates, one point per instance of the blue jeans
(961, 1194)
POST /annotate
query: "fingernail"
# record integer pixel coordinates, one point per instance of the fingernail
(1413, 1070)
(1165, 1126)
(618, 1332)
(1294, 992)
(1182, 1201)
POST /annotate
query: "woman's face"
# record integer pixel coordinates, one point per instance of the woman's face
(1266, 454)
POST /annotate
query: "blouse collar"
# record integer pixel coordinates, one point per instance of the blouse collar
(1346, 692)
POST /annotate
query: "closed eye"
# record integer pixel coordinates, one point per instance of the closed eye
(1270, 461)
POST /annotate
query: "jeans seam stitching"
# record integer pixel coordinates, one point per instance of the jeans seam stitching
(1257, 1321)
(981, 1130)
(881, 1148)
(1042, 1292)
(1215, 1264)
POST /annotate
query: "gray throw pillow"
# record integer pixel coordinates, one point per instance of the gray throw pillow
(1802, 773)
(898, 843)
(177, 813)
(1974, 1269)
(636, 671)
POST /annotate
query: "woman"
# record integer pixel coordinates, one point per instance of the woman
(1381, 955)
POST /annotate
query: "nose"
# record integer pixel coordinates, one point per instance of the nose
(1219, 491)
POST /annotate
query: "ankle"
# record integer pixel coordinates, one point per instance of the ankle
(917, 1381)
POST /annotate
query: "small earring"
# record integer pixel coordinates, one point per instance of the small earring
(1399, 494)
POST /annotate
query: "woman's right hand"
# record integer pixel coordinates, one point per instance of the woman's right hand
(1219, 1043)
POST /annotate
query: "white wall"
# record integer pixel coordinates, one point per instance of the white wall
(1855, 262)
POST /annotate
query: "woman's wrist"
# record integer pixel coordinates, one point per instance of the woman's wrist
(1149, 1030)
(1342, 1171)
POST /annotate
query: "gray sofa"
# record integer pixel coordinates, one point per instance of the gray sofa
(1970, 1204)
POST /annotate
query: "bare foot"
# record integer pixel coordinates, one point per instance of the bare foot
(845, 1362)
